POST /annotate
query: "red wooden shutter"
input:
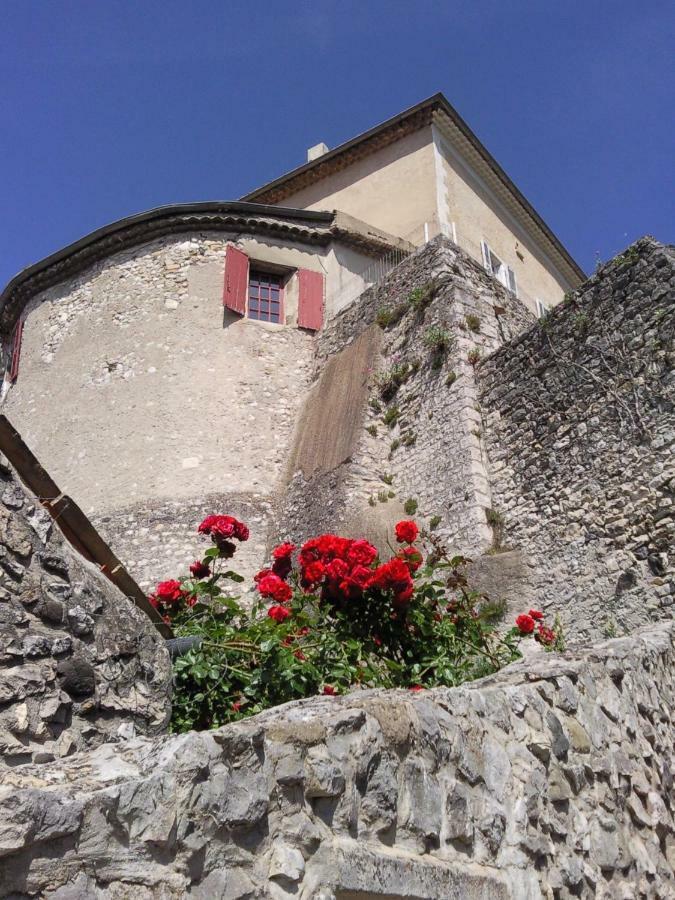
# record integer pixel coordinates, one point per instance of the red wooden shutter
(15, 351)
(236, 280)
(310, 299)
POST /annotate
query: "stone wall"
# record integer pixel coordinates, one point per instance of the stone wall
(79, 663)
(579, 430)
(552, 779)
(152, 406)
(355, 462)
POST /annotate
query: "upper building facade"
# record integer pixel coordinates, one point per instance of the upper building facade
(424, 173)
(159, 365)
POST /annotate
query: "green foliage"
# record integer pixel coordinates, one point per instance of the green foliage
(387, 478)
(421, 297)
(389, 381)
(581, 324)
(451, 378)
(375, 405)
(372, 430)
(388, 316)
(496, 522)
(395, 444)
(372, 501)
(410, 507)
(391, 416)
(443, 634)
(438, 339)
(383, 496)
(409, 439)
(474, 356)
(472, 323)
(434, 522)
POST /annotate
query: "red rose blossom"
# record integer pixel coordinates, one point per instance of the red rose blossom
(278, 613)
(361, 553)
(525, 624)
(224, 527)
(406, 532)
(416, 687)
(236, 707)
(199, 569)
(313, 573)
(535, 614)
(283, 551)
(274, 587)
(329, 690)
(168, 591)
(263, 573)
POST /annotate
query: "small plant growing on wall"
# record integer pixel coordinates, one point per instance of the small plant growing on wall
(421, 297)
(474, 356)
(391, 416)
(389, 316)
(434, 522)
(439, 341)
(450, 379)
(387, 478)
(372, 430)
(410, 506)
(328, 618)
(472, 323)
(395, 444)
(496, 522)
(390, 380)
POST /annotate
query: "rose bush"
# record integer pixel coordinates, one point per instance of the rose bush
(329, 617)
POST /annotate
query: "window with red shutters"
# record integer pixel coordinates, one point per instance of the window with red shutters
(310, 299)
(265, 297)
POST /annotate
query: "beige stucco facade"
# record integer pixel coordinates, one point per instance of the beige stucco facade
(393, 189)
(420, 186)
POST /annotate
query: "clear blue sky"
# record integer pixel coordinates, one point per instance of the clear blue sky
(110, 107)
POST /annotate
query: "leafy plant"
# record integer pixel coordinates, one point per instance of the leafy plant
(391, 416)
(451, 378)
(472, 322)
(437, 338)
(421, 297)
(387, 316)
(410, 506)
(395, 444)
(335, 618)
(434, 522)
(383, 496)
(372, 430)
(474, 356)
(387, 478)
(389, 381)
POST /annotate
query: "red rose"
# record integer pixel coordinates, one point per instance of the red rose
(535, 614)
(300, 655)
(393, 576)
(278, 613)
(361, 553)
(416, 687)
(236, 707)
(525, 624)
(274, 587)
(168, 591)
(191, 599)
(313, 572)
(200, 569)
(406, 532)
(337, 569)
(263, 573)
(412, 557)
(283, 551)
(224, 527)
(329, 690)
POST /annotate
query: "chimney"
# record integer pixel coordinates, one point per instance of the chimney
(316, 151)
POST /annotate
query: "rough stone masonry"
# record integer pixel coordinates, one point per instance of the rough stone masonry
(551, 779)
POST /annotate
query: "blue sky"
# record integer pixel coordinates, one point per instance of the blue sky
(110, 107)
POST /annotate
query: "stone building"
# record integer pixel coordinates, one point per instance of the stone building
(158, 367)
(305, 370)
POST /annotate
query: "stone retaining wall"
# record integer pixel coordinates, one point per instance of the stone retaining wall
(79, 663)
(579, 432)
(552, 779)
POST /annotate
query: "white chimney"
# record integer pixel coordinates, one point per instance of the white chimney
(316, 151)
